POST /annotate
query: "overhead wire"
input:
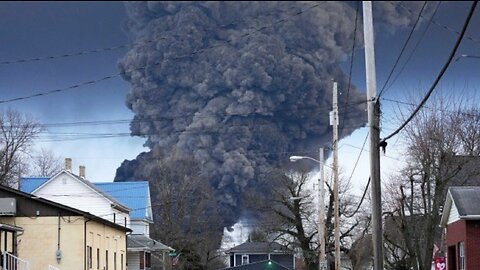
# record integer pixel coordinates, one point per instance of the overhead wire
(403, 48)
(440, 75)
(126, 46)
(412, 52)
(352, 56)
(357, 147)
(351, 175)
(177, 57)
(213, 131)
(347, 100)
(466, 113)
(444, 26)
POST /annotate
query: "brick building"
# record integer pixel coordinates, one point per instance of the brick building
(461, 223)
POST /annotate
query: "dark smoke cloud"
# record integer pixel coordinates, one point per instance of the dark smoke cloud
(239, 108)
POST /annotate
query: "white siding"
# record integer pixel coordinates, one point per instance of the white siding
(453, 215)
(133, 260)
(140, 227)
(67, 190)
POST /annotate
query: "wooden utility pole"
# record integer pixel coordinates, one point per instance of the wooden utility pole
(334, 123)
(374, 131)
(322, 265)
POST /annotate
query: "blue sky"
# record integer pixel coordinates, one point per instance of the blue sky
(42, 29)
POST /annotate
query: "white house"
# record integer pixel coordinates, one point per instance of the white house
(126, 203)
(76, 191)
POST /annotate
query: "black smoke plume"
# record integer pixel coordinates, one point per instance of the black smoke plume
(239, 86)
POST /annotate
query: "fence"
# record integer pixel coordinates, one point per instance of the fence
(11, 262)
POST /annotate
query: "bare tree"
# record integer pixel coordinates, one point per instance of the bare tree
(290, 215)
(440, 143)
(186, 213)
(46, 163)
(17, 133)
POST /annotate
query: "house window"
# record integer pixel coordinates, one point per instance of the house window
(461, 256)
(106, 259)
(114, 260)
(147, 260)
(98, 258)
(121, 261)
(245, 259)
(89, 257)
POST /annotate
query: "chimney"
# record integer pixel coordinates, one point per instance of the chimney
(81, 171)
(68, 164)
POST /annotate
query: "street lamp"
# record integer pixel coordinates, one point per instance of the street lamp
(322, 262)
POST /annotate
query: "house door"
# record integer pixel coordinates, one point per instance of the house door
(452, 258)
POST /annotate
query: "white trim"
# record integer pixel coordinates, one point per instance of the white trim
(273, 253)
(126, 210)
(247, 259)
(143, 220)
(234, 260)
(49, 180)
(469, 217)
(446, 209)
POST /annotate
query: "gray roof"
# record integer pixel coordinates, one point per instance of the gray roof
(260, 266)
(467, 200)
(140, 241)
(260, 247)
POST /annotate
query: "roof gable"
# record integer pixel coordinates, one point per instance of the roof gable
(135, 195)
(83, 182)
(467, 200)
(461, 203)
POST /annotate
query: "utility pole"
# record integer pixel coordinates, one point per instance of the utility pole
(374, 131)
(322, 262)
(334, 123)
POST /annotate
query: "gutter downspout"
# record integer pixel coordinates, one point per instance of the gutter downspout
(85, 244)
(126, 244)
(58, 232)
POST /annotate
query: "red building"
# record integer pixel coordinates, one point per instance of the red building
(461, 221)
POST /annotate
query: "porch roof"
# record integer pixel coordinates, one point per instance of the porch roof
(10, 228)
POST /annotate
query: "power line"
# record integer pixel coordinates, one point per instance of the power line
(351, 175)
(191, 54)
(358, 158)
(403, 48)
(357, 147)
(126, 46)
(440, 75)
(415, 47)
(472, 114)
(351, 67)
(361, 200)
(79, 53)
(446, 27)
(174, 117)
(212, 131)
(58, 90)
